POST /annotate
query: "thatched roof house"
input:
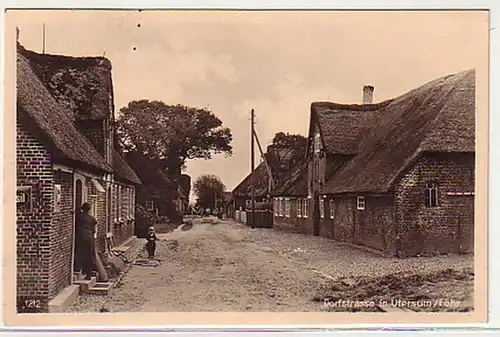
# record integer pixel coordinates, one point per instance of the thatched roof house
(397, 176)
(65, 157)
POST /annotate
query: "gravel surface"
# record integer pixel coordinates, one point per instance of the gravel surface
(341, 260)
(225, 266)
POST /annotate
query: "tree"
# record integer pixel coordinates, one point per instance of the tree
(171, 134)
(289, 141)
(290, 149)
(208, 188)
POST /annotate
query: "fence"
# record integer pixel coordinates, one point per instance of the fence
(263, 218)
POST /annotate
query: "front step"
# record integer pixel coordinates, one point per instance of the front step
(78, 276)
(101, 288)
(86, 285)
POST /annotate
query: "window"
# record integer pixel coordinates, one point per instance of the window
(305, 210)
(322, 208)
(287, 207)
(120, 203)
(115, 203)
(431, 194)
(57, 197)
(127, 203)
(332, 208)
(299, 208)
(317, 143)
(133, 203)
(150, 205)
(360, 203)
(109, 210)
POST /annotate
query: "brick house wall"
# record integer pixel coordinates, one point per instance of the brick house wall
(61, 234)
(295, 223)
(372, 227)
(123, 218)
(34, 168)
(448, 227)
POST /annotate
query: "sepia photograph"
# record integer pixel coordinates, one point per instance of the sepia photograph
(272, 162)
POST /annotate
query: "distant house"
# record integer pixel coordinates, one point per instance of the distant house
(281, 161)
(64, 157)
(397, 176)
(157, 192)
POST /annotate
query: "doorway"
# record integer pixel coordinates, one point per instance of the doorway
(80, 196)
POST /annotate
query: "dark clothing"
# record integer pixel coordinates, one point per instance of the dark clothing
(87, 226)
(87, 260)
(151, 244)
(85, 229)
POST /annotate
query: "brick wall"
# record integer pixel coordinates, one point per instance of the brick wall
(293, 224)
(61, 234)
(34, 168)
(449, 227)
(374, 226)
(124, 228)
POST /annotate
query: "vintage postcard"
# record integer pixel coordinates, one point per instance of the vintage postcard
(299, 168)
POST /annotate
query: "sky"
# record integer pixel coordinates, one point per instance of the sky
(274, 62)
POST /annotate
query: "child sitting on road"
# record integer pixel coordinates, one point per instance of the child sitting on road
(151, 243)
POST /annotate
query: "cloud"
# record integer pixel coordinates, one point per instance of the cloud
(286, 107)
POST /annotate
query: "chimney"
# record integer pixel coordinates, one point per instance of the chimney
(17, 34)
(368, 94)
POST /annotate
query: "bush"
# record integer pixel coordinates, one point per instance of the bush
(144, 219)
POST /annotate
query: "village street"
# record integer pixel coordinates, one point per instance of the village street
(229, 267)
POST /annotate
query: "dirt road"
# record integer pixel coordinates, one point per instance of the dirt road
(230, 267)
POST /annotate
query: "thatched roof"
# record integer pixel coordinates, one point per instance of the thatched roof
(49, 121)
(123, 171)
(261, 180)
(437, 117)
(82, 85)
(295, 183)
(342, 124)
(281, 161)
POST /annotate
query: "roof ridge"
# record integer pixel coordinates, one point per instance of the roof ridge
(88, 61)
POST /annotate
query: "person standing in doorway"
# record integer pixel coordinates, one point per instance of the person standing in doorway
(86, 229)
(151, 243)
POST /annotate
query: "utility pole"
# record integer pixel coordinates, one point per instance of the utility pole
(268, 168)
(252, 159)
(43, 38)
